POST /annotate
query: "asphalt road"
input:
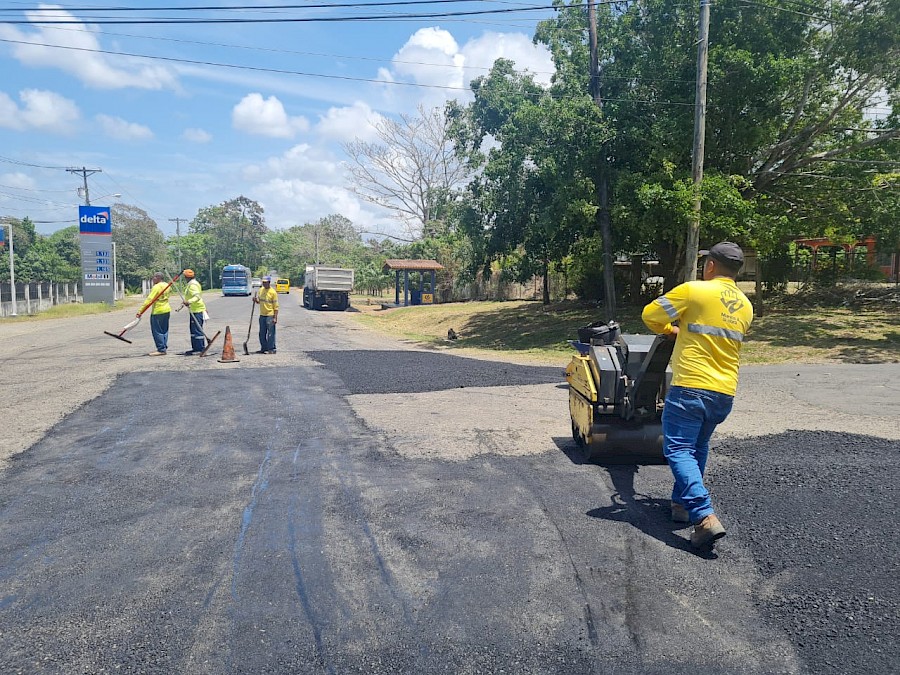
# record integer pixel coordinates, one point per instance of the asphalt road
(354, 505)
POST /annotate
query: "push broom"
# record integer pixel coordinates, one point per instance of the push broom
(131, 324)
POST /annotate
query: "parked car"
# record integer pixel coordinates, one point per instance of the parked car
(256, 282)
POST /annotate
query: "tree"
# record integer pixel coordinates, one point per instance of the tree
(535, 193)
(140, 244)
(788, 95)
(412, 170)
(236, 231)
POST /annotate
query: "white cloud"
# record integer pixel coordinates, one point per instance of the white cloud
(266, 117)
(347, 123)
(43, 110)
(18, 180)
(92, 68)
(307, 183)
(432, 57)
(196, 136)
(122, 130)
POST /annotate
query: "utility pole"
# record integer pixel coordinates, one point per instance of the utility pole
(692, 246)
(12, 269)
(177, 222)
(84, 175)
(603, 219)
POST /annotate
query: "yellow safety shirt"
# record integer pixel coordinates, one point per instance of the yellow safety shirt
(193, 297)
(161, 306)
(713, 318)
(268, 301)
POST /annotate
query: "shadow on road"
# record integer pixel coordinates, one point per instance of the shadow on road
(648, 514)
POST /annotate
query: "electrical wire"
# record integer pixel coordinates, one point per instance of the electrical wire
(307, 19)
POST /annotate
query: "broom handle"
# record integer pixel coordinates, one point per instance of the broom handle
(156, 297)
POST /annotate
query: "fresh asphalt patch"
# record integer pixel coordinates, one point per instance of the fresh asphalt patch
(247, 521)
(819, 512)
(398, 372)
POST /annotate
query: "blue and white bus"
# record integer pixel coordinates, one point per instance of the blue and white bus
(236, 280)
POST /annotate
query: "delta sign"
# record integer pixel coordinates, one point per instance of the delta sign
(97, 267)
(94, 220)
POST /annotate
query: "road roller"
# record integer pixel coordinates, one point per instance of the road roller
(617, 388)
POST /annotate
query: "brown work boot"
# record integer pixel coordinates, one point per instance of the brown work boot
(679, 514)
(707, 531)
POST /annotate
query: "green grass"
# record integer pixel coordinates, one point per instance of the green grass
(530, 329)
(69, 310)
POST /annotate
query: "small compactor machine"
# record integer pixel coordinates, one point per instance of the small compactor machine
(617, 386)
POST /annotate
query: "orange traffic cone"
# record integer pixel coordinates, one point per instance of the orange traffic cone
(228, 350)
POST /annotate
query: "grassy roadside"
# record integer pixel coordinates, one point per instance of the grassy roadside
(86, 309)
(529, 330)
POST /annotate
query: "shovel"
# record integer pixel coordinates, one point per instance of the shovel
(134, 322)
(250, 327)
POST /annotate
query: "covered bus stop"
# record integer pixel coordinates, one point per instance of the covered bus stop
(422, 293)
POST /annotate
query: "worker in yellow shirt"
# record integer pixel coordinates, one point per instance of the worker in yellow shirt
(708, 320)
(267, 299)
(193, 299)
(159, 315)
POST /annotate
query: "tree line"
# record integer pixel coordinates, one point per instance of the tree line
(802, 140)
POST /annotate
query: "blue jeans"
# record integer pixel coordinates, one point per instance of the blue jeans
(267, 333)
(689, 418)
(159, 328)
(198, 341)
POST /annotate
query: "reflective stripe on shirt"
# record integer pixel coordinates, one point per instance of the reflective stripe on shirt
(716, 331)
(668, 306)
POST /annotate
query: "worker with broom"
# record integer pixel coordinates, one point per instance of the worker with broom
(159, 315)
(194, 301)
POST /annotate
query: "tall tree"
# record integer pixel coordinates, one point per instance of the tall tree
(235, 230)
(140, 244)
(535, 193)
(411, 169)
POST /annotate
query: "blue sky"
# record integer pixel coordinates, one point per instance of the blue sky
(174, 134)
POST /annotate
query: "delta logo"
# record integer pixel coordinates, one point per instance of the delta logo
(99, 218)
(94, 220)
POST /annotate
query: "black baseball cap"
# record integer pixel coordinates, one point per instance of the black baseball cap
(726, 252)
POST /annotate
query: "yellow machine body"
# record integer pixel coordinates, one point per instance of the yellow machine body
(600, 427)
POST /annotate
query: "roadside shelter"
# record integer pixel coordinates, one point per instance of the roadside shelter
(424, 293)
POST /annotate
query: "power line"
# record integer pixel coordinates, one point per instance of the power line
(280, 71)
(19, 162)
(308, 19)
(203, 8)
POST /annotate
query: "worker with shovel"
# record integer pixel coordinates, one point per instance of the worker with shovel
(159, 315)
(267, 299)
(194, 301)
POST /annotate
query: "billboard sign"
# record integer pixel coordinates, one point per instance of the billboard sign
(97, 276)
(94, 220)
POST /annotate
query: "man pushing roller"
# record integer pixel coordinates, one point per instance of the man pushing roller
(708, 320)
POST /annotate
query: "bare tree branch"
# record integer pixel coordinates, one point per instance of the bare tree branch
(412, 169)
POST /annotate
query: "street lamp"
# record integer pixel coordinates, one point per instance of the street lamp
(115, 195)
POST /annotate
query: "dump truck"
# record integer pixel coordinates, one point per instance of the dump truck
(327, 287)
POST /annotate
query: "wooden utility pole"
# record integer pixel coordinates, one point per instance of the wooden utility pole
(84, 175)
(692, 247)
(177, 222)
(603, 219)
